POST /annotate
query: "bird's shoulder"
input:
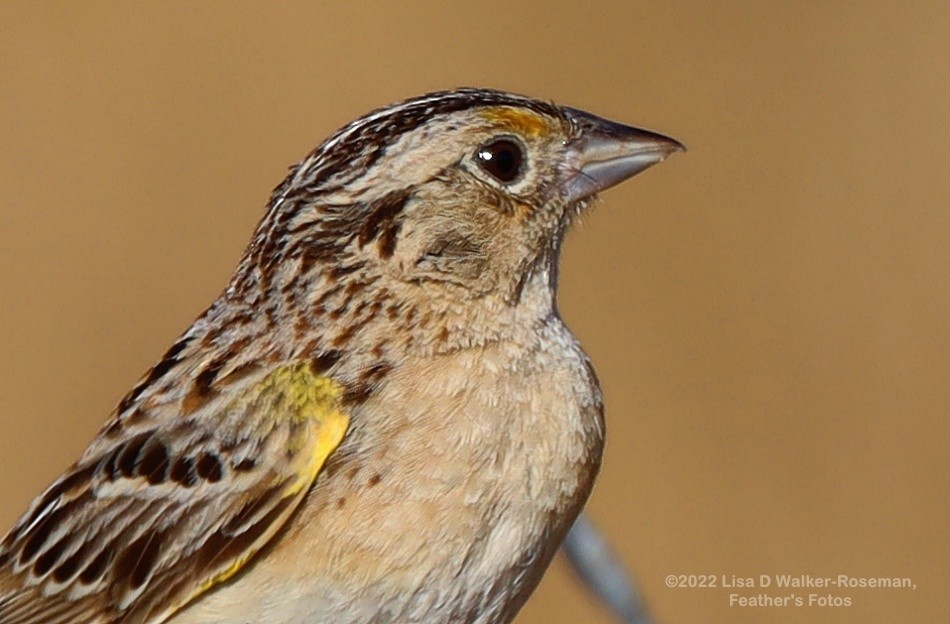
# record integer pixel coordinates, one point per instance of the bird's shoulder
(163, 506)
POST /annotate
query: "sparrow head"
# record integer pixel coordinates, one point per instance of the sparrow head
(456, 196)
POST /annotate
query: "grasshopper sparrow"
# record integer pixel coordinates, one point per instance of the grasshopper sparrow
(381, 419)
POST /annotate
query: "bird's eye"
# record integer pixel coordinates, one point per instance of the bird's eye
(502, 158)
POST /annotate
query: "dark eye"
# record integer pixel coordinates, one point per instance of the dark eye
(502, 158)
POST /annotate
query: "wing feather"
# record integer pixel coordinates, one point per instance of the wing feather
(148, 521)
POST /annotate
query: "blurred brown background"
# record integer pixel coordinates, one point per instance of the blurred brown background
(768, 312)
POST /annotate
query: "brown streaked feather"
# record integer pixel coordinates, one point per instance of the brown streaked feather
(134, 532)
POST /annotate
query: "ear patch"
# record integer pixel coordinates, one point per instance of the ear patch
(382, 224)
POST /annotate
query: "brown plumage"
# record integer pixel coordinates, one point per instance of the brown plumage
(382, 418)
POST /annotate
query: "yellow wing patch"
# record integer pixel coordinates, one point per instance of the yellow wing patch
(520, 121)
(306, 399)
(307, 405)
(165, 513)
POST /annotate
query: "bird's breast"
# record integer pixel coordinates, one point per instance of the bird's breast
(452, 489)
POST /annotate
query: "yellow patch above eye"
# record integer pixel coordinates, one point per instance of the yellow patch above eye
(520, 121)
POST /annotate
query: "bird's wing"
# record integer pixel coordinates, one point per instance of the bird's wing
(157, 516)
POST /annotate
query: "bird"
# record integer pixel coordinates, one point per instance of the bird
(382, 417)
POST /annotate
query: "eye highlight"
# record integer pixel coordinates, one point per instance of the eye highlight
(501, 158)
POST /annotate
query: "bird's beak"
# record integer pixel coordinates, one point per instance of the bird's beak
(604, 153)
